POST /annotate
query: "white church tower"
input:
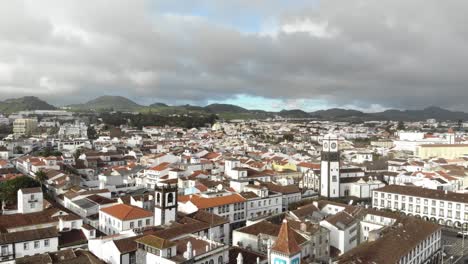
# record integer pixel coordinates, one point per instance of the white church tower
(165, 204)
(330, 167)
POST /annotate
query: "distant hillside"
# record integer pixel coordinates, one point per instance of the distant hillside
(430, 112)
(158, 105)
(116, 103)
(392, 114)
(229, 111)
(295, 113)
(225, 108)
(23, 104)
(334, 113)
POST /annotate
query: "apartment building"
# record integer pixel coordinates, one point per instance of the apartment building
(443, 207)
(231, 206)
(24, 126)
(411, 240)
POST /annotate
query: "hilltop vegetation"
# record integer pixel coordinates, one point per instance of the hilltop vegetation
(24, 104)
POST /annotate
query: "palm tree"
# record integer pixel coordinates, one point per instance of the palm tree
(41, 177)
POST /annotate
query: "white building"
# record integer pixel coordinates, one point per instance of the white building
(75, 130)
(28, 243)
(446, 208)
(344, 230)
(232, 206)
(260, 202)
(122, 217)
(30, 200)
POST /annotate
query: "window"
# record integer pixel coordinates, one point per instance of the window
(132, 224)
(170, 198)
(450, 205)
(158, 198)
(147, 222)
(169, 252)
(36, 244)
(140, 223)
(4, 250)
(26, 246)
(46, 243)
(220, 260)
(32, 205)
(73, 224)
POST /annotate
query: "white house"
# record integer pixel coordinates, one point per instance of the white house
(121, 217)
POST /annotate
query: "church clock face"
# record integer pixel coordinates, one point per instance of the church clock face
(333, 146)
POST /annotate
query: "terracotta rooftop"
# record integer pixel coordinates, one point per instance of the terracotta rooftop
(286, 242)
(208, 202)
(126, 212)
(155, 242)
(396, 242)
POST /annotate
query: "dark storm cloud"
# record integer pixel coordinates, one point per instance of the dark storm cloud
(392, 53)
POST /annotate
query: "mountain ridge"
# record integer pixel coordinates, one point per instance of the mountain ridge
(231, 111)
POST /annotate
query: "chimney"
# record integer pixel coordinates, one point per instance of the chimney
(240, 259)
(190, 251)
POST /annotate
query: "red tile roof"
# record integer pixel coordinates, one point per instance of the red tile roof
(161, 166)
(208, 202)
(126, 212)
(286, 242)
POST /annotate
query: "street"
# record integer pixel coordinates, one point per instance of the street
(452, 246)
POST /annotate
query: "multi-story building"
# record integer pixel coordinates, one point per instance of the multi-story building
(76, 130)
(261, 202)
(121, 217)
(24, 126)
(410, 241)
(232, 206)
(443, 207)
(344, 230)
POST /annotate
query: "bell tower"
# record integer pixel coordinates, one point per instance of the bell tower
(165, 204)
(330, 167)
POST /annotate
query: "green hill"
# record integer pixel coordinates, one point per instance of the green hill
(108, 102)
(24, 104)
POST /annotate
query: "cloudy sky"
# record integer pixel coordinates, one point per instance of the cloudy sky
(269, 54)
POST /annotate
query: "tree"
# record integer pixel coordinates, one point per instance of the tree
(401, 125)
(41, 177)
(9, 189)
(92, 134)
(288, 137)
